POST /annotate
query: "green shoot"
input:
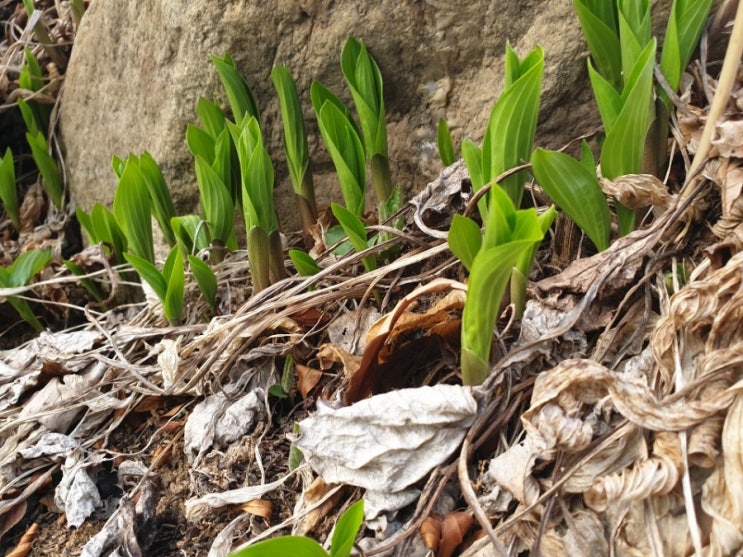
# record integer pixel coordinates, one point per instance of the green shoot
(506, 226)
(598, 19)
(489, 277)
(576, 191)
(365, 81)
(295, 147)
(356, 232)
(239, 93)
(445, 144)
(303, 262)
(8, 191)
(51, 179)
(18, 274)
(509, 136)
(205, 279)
(167, 285)
(685, 24)
(162, 204)
(132, 208)
(626, 120)
(101, 226)
(35, 114)
(263, 241)
(346, 152)
(190, 233)
(341, 544)
(216, 203)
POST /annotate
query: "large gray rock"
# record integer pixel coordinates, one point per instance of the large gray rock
(138, 68)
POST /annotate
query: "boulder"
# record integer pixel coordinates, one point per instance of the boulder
(138, 68)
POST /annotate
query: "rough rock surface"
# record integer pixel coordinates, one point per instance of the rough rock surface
(138, 68)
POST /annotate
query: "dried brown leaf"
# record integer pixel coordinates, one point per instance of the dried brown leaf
(307, 379)
(258, 507)
(25, 545)
(637, 191)
(453, 529)
(430, 531)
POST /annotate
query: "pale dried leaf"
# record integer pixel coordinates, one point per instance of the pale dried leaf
(199, 507)
(389, 441)
(219, 420)
(637, 191)
(729, 138)
(722, 497)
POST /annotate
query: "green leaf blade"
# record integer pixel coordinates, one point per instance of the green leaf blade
(576, 190)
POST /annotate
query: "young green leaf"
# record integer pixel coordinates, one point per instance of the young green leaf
(488, 279)
(174, 275)
(365, 81)
(445, 144)
(625, 137)
(319, 95)
(295, 146)
(118, 165)
(685, 24)
(576, 191)
(216, 202)
(284, 546)
(465, 239)
(35, 115)
(199, 142)
(149, 274)
(303, 262)
(346, 530)
(211, 115)
(257, 177)
(598, 21)
(509, 136)
(51, 178)
(186, 228)
(105, 228)
(347, 153)
(295, 140)
(162, 203)
(8, 191)
(356, 232)
(132, 208)
(19, 273)
(206, 280)
(634, 30)
(239, 93)
(27, 265)
(472, 155)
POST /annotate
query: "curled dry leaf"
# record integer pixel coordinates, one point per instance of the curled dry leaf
(381, 339)
(657, 475)
(722, 495)
(330, 354)
(637, 191)
(729, 138)
(315, 504)
(582, 535)
(258, 507)
(25, 544)
(307, 379)
(430, 531)
(441, 199)
(453, 529)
